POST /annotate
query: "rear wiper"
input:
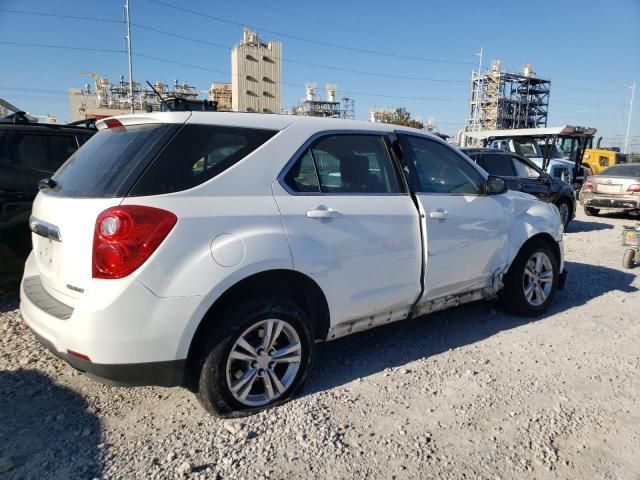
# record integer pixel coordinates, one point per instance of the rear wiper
(47, 183)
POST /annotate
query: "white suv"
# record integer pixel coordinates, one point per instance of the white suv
(213, 250)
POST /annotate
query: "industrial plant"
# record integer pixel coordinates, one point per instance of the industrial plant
(108, 99)
(312, 105)
(256, 71)
(504, 100)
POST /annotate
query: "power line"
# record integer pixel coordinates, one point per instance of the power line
(72, 17)
(309, 40)
(300, 62)
(63, 47)
(364, 94)
(618, 92)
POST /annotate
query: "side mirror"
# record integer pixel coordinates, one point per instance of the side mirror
(495, 185)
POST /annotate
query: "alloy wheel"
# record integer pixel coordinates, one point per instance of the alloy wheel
(263, 362)
(538, 278)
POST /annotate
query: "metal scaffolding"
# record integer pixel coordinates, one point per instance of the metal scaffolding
(503, 100)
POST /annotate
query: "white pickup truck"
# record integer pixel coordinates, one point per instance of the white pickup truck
(213, 250)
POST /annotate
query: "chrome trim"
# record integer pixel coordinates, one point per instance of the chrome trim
(44, 229)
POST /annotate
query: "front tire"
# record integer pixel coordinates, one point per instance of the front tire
(564, 208)
(258, 356)
(591, 212)
(532, 280)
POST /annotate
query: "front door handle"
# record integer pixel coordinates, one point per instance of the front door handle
(321, 213)
(440, 214)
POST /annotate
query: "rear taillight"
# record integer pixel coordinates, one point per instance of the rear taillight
(588, 186)
(112, 123)
(635, 188)
(126, 236)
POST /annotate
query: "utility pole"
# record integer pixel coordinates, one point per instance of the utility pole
(477, 112)
(128, 18)
(626, 138)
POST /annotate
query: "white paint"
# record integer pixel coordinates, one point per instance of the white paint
(367, 260)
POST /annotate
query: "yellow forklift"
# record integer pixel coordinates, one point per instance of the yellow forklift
(595, 159)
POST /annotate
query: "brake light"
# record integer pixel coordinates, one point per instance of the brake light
(588, 186)
(126, 236)
(635, 188)
(112, 123)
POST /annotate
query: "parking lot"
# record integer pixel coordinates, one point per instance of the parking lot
(467, 393)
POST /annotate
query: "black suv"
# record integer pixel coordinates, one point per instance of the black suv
(29, 152)
(523, 175)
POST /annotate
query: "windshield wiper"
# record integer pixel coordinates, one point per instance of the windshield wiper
(47, 183)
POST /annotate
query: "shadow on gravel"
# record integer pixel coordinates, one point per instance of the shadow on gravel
(579, 226)
(9, 293)
(45, 430)
(397, 344)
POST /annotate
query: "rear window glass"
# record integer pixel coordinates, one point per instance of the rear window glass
(196, 154)
(629, 170)
(110, 162)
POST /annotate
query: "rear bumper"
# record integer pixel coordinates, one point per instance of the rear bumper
(124, 335)
(619, 202)
(164, 374)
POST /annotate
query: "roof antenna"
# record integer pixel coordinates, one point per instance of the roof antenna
(159, 96)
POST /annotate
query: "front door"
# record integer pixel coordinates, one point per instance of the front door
(532, 180)
(351, 227)
(466, 230)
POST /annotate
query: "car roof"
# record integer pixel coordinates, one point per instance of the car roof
(48, 127)
(499, 151)
(263, 120)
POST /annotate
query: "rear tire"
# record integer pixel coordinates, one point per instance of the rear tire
(591, 212)
(532, 280)
(629, 260)
(238, 352)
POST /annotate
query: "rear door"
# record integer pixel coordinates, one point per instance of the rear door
(465, 229)
(351, 227)
(28, 155)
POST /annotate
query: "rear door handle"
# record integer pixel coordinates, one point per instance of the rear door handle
(440, 214)
(323, 213)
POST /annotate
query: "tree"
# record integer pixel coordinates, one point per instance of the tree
(400, 116)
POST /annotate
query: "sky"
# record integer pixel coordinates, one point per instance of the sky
(415, 54)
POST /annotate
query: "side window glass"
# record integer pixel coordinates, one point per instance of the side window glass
(31, 151)
(5, 139)
(60, 148)
(302, 177)
(523, 170)
(497, 164)
(354, 164)
(440, 169)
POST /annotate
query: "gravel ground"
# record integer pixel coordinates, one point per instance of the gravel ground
(468, 393)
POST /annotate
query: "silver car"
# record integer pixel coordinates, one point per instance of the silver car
(615, 188)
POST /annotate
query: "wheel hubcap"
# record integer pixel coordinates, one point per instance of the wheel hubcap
(538, 278)
(263, 362)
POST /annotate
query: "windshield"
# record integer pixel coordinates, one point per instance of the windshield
(628, 170)
(551, 150)
(527, 147)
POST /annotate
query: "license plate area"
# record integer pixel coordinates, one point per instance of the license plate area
(48, 254)
(609, 188)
